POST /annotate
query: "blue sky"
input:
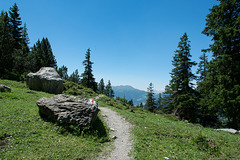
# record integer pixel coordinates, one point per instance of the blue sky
(132, 41)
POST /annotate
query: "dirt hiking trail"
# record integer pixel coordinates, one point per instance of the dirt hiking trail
(120, 131)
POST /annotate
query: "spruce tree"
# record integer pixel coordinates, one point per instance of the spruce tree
(16, 29)
(130, 102)
(101, 87)
(6, 44)
(183, 98)
(150, 102)
(62, 71)
(202, 66)
(159, 101)
(223, 76)
(87, 77)
(108, 90)
(74, 77)
(41, 55)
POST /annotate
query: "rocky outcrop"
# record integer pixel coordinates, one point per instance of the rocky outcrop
(68, 110)
(4, 88)
(46, 79)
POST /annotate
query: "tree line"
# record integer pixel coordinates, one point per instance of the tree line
(215, 98)
(16, 57)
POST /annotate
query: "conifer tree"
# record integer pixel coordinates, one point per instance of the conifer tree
(184, 100)
(6, 41)
(48, 57)
(101, 87)
(159, 101)
(223, 75)
(130, 102)
(41, 55)
(202, 66)
(108, 90)
(62, 71)
(141, 105)
(150, 102)
(16, 29)
(74, 77)
(87, 77)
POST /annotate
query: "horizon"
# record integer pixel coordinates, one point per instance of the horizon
(132, 42)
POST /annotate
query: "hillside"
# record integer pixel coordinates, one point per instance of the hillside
(157, 136)
(129, 92)
(24, 135)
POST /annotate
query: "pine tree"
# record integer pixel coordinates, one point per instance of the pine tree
(141, 105)
(16, 29)
(130, 102)
(183, 98)
(223, 75)
(48, 57)
(108, 90)
(202, 66)
(74, 77)
(41, 56)
(6, 41)
(150, 102)
(101, 87)
(87, 77)
(21, 60)
(159, 101)
(167, 100)
(62, 71)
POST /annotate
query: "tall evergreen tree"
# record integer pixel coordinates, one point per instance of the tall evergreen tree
(16, 29)
(21, 57)
(41, 55)
(202, 66)
(108, 90)
(150, 102)
(101, 87)
(223, 75)
(207, 114)
(159, 101)
(87, 77)
(48, 57)
(6, 41)
(183, 95)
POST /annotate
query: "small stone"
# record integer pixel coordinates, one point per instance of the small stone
(4, 88)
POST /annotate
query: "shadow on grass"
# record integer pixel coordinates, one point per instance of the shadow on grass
(96, 130)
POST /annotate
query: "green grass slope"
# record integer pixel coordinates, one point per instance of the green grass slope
(157, 136)
(24, 135)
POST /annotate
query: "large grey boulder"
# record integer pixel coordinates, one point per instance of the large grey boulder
(66, 109)
(46, 79)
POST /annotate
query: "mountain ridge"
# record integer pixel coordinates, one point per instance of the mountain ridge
(130, 93)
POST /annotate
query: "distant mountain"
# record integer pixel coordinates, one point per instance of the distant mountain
(129, 93)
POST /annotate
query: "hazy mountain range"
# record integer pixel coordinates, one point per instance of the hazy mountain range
(129, 93)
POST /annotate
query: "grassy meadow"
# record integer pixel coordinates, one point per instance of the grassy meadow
(157, 136)
(24, 135)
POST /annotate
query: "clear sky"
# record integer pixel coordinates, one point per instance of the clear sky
(132, 42)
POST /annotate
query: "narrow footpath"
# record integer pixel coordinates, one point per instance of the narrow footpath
(120, 131)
